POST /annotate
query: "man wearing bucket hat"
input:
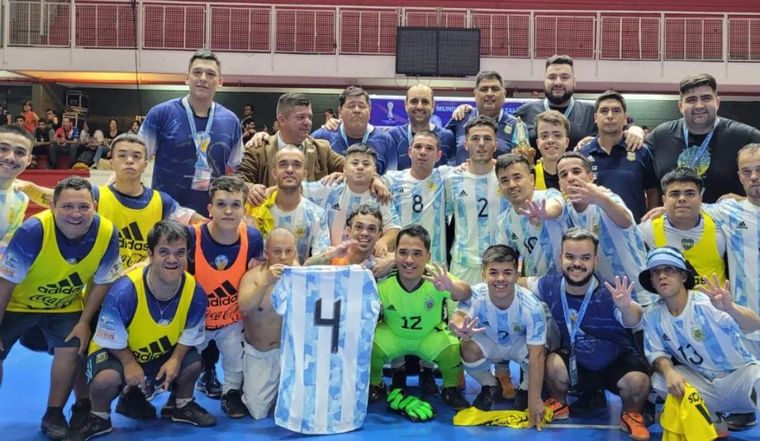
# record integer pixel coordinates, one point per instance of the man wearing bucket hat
(694, 337)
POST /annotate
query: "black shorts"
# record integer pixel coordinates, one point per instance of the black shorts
(607, 378)
(34, 338)
(53, 327)
(102, 359)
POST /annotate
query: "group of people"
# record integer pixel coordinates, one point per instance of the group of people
(54, 136)
(600, 259)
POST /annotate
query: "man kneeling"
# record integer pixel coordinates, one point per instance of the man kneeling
(151, 321)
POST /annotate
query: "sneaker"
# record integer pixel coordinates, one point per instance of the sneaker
(93, 426)
(377, 392)
(632, 423)
(151, 390)
(454, 398)
(487, 396)
(721, 427)
(427, 382)
(80, 411)
(168, 409)
(398, 379)
(737, 422)
(590, 401)
(508, 391)
(232, 404)
(521, 399)
(193, 413)
(209, 384)
(132, 404)
(54, 424)
(561, 410)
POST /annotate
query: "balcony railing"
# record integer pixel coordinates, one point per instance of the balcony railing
(356, 30)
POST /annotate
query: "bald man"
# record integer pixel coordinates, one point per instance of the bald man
(420, 106)
(261, 369)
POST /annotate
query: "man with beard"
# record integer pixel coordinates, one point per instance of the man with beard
(420, 105)
(701, 140)
(597, 349)
(559, 86)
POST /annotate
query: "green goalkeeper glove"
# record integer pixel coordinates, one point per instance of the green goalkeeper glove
(415, 409)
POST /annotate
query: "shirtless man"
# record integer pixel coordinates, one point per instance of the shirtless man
(261, 362)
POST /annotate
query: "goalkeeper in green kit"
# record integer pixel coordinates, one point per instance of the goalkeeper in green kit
(413, 303)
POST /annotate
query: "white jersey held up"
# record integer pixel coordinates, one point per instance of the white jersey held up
(329, 317)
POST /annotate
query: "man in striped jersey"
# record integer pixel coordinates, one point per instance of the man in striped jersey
(695, 337)
(529, 223)
(340, 200)
(418, 192)
(594, 208)
(473, 198)
(513, 328)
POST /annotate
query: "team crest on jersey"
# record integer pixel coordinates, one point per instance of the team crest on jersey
(429, 303)
(698, 334)
(431, 185)
(517, 328)
(508, 130)
(687, 243)
(299, 232)
(220, 262)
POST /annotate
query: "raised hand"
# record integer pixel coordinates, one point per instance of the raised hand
(467, 329)
(621, 292)
(438, 275)
(720, 296)
(536, 211)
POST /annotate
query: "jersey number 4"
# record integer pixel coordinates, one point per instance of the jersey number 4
(333, 322)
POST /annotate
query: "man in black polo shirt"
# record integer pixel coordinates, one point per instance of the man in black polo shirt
(701, 140)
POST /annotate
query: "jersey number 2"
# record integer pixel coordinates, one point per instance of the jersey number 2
(333, 322)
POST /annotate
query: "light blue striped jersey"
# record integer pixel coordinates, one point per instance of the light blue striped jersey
(422, 202)
(339, 202)
(475, 201)
(703, 338)
(523, 323)
(740, 223)
(622, 251)
(329, 316)
(12, 208)
(308, 224)
(539, 245)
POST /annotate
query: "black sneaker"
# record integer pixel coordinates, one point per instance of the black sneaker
(54, 424)
(80, 411)
(427, 382)
(521, 399)
(377, 392)
(132, 404)
(93, 426)
(487, 396)
(168, 409)
(209, 384)
(193, 413)
(398, 378)
(590, 401)
(740, 421)
(232, 404)
(454, 398)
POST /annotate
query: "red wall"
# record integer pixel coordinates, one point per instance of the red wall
(603, 5)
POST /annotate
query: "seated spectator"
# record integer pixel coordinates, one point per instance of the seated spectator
(135, 127)
(66, 139)
(91, 150)
(53, 121)
(21, 122)
(249, 129)
(112, 131)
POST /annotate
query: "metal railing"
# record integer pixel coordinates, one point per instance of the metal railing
(236, 27)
